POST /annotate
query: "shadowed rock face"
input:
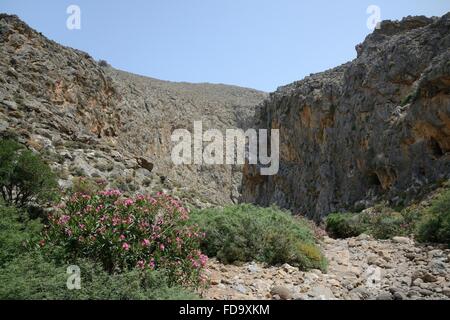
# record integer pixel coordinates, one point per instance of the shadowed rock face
(94, 121)
(375, 128)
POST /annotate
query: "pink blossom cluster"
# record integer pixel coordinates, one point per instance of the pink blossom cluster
(147, 232)
(111, 193)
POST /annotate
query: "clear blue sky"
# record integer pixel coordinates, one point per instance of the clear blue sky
(253, 43)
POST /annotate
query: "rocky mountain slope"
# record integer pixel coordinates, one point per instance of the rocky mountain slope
(95, 121)
(376, 128)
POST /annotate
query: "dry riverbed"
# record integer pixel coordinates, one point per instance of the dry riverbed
(359, 268)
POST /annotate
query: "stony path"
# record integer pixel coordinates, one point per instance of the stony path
(359, 268)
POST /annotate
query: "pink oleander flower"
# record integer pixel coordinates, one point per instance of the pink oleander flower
(116, 220)
(128, 220)
(146, 242)
(126, 246)
(122, 237)
(63, 219)
(141, 264)
(68, 232)
(161, 247)
(110, 193)
(128, 202)
(151, 264)
(203, 259)
(195, 264)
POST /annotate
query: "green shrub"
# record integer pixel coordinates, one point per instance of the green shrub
(344, 225)
(428, 224)
(24, 177)
(382, 223)
(17, 233)
(31, 276)
(244, 233)
(435, 225)
(409, 98)
(411, 216)
(122, 234)
(87, 185)
(385, 225)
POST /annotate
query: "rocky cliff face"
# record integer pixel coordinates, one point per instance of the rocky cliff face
(98, 122)
(375, 128)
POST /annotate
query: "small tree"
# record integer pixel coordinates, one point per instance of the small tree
(24, 177)
(103, 63)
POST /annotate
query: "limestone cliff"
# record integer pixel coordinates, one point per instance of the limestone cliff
(95, 121)
(375, 128)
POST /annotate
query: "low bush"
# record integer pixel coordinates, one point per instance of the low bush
(382, 223)
(86, 185)
(386, 226)
(17, 233)
(121, 234)
(344, 225)
(435, 225)
(428, 223)
(244, 233)
(33, 277)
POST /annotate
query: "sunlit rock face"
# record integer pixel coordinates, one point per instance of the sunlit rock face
(376, 128)
(88, 119)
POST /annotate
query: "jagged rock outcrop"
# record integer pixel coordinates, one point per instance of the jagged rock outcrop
(375, 128)
(88, 119)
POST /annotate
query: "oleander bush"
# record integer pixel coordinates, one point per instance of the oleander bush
(125, 233)
(126, 248)
(27, 273)
(243, 233)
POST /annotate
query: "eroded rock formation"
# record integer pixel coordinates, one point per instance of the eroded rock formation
(375, 128)
(88, 119)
